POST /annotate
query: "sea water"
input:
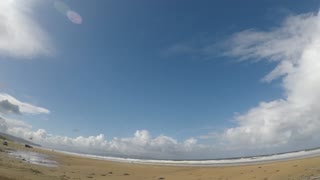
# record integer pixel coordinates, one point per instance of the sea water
(214, 162)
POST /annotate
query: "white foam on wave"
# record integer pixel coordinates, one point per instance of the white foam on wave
(220, 162)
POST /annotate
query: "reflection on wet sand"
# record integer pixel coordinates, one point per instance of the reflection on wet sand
(33, 158)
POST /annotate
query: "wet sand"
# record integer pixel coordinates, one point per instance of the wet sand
(73, 167)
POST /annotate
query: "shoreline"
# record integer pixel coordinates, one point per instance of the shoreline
(203, 163)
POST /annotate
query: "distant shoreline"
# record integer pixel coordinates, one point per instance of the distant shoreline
(204, 163)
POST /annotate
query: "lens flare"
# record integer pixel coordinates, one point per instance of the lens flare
(74, 17)
(62, 7)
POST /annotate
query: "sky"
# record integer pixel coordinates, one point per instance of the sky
(161, 79)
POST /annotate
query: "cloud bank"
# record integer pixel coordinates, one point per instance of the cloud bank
(7, 107)
(21, 36)
(3, 125)
(11, 104)
(294, 119)
(140, 145)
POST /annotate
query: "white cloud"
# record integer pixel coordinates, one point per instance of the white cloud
(3, 125)
(13, 123)
(294, 119)
(7, 107)
(142, 144)
(22, 106)
(21, 36)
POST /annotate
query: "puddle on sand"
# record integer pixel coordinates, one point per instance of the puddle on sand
(33, 158)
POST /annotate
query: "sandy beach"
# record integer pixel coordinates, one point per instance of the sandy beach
(74, 167)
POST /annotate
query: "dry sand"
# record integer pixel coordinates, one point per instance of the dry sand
(73, 167)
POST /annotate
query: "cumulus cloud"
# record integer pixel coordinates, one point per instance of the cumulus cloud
(7, 107)
(11, 104)
(3, 125)
(21, 36)
(13, 123)
(294, 119)
(140, 145)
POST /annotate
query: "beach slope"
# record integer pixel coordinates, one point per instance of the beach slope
(67, 167)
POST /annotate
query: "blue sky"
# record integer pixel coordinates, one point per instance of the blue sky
(153, 65)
